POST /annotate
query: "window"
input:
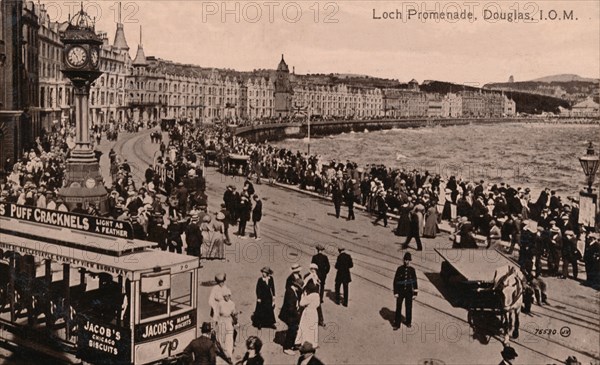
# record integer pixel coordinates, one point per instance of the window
(181, 292)
(154, 298)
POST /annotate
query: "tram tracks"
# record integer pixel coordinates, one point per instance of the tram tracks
(271, 231)
(381, 269)
(384, 259)
(307, 249)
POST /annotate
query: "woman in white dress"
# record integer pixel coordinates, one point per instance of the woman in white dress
(308, 330)
(227, 319)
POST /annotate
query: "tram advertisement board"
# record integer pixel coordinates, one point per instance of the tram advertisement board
(108, 227)
(99, 341)
(165, 327)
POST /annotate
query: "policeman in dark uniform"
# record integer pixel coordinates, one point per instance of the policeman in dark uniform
(405, 288)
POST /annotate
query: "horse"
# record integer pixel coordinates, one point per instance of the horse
(509, 288)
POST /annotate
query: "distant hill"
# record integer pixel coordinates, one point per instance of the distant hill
(564, 78)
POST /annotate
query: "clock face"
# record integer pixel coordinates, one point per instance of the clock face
(77, 56)
(90, 183)
(94, 57)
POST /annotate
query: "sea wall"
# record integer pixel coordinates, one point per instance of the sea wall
(279, 131)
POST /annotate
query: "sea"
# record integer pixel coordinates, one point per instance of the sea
(533, 155)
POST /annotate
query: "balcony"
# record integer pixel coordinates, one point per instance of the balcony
(139, 103)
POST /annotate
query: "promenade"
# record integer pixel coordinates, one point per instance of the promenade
(294, 222)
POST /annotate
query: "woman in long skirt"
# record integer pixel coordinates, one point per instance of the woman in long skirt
(431, 222)
(215, 245)
(264, 315)
(227, 320)
(403, 228)
(308, 330)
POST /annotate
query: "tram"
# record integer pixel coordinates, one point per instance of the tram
(81, 285)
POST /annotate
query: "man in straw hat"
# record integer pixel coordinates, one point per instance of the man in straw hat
(570, 255)
(290, 314)
(554, 249)
(295, 274)
(193, 236)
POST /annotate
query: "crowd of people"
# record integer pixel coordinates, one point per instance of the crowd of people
(301, 309)
(545, 229)
(35, 177)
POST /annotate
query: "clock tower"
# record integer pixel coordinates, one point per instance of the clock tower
(81, 54)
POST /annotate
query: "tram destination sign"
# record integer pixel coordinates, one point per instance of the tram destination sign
(165, 327)
(80, 222)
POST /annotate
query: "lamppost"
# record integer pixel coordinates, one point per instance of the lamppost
(588, 199)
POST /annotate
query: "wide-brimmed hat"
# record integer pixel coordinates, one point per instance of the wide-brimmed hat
(220, 277)
(307, 347)
(296, 268)
(314, 266)
(206, 218)
(555, 229)
(267, 270)
(220, 216)
(569, 233)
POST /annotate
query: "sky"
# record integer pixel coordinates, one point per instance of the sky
(346, 36)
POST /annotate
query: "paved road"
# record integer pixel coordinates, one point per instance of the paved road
(361, 334)
(294, 222)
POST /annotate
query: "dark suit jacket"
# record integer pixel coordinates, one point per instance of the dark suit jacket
(313, 361)
(343, 266)
(405, 280)
(290, 279)
(323, 263)
(204, 351)
(257, 211)
(290, 311)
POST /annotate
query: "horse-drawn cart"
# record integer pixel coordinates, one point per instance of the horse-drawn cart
(210, 157)
(483, 280)
(237, 164)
